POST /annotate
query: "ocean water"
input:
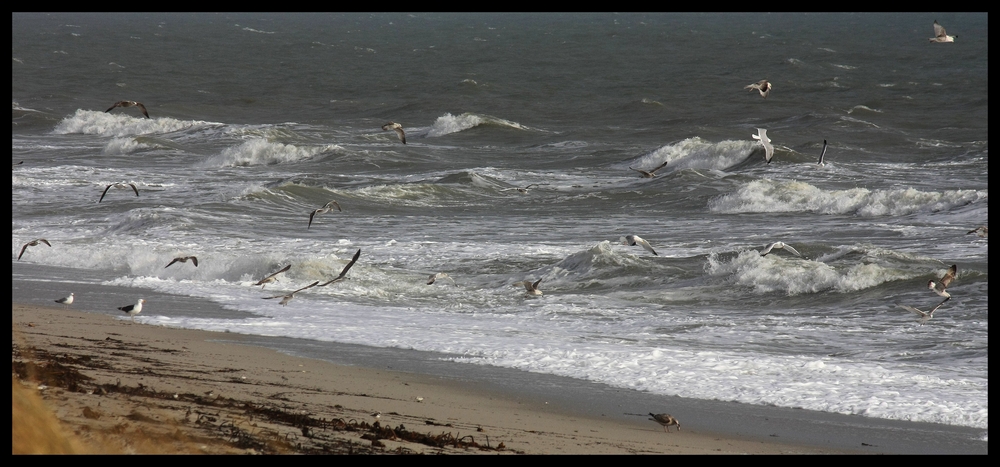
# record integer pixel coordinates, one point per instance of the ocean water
(259, 119)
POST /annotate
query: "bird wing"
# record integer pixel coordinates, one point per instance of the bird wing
(791, 250)
(172, 262)
(135, 189)
(535, 285)
(142, 108)
(822, 154)
(353, 260)
(313, 214)
(44, 241)
(105, 190)
(767, 250)
(939, 30)
(400, 134)
(261, 282)
(646, 245)
(332, 204)
(664, 164)
(119, 103)
(306, 287)
(430, 280)
(194, 260)
(25, 247)
(948, 276)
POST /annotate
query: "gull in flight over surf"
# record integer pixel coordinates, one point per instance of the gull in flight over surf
(633, 240)
(343, 273)
(768, 149)
(34, 242)
(520, 189)
(272, 277)
(397, 128)
(981, 231)
(666, 420)
(323, 210)
(650, 173)
(940, 35)
(183, 259)
(119, 185)
(780, 246)
(66, 300)
(440, 275)
(129, 104)
(763, 86)
(133, 310)
(940, 286)
(288, 297)
(822, 154)
(532, 288)
(924, 315)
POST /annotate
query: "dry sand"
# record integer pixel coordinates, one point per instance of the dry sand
(120, 387)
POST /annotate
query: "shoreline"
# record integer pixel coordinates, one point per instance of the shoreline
(226, 394)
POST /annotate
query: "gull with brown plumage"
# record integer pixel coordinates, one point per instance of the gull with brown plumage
(34, 242)
(343, 272)
(323, 210)
(129, 104)
(120, 185)
(272, 278)
(940, 286)
(183, 259)
(666, 420)
(288, 297)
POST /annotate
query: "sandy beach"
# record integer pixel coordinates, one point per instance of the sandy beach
(120, 387)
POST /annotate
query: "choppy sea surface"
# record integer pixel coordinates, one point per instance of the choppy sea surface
(259, 119)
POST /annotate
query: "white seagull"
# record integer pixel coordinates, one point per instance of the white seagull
(763, 86)
(272, 277)
(129, 104)
(666, 420)
(768, 149)
(520, 189)
(119, 185)
(343, 273)
(940, 35)
(651, 173)
(323, 210)
(183, 259)
(133, 310)
(940, 286)
(633, 240)
(66, 300)
(440, 275)
(34, 242)
(981, 231)
(924, 315)
(532, 288)
(398, 128)
(822, 154)
(288, 297)
(781, 246)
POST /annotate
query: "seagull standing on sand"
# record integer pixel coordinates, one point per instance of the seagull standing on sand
(288, 297)
(940, 286)
(822, 154)
(532, 288)
(183, 259)
(440, 275)
(651, 173)
(666, 420)
(924, 315)
(32, 243)
(940, 35)
(398, 128)
(133, 310)
(763, 86)
(633, 240)
(119, 185)
(129, 104)
(65, 300)
(343, 273)
(780, 246)
(768, 149)
(323, 210)
(981, 231)
(272, 277)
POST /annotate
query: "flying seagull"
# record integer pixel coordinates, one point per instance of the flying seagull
(651, 173)
(440, 275)
(287, 298)
(633, 240)
(119, 185)
(940, 35)
(66, 300)
(822, 154)
(924, 315)
(520, 189)
(130, 104)
(763, 86)
(398, 128)
(781, 246)
(323, 210)
(343, 272)
(768, 149)
(272, 277)
(940, 286)
(32, 243)
(133, 310)
(981, 231)
(666, 420)
(532, 288)
(183, 259)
